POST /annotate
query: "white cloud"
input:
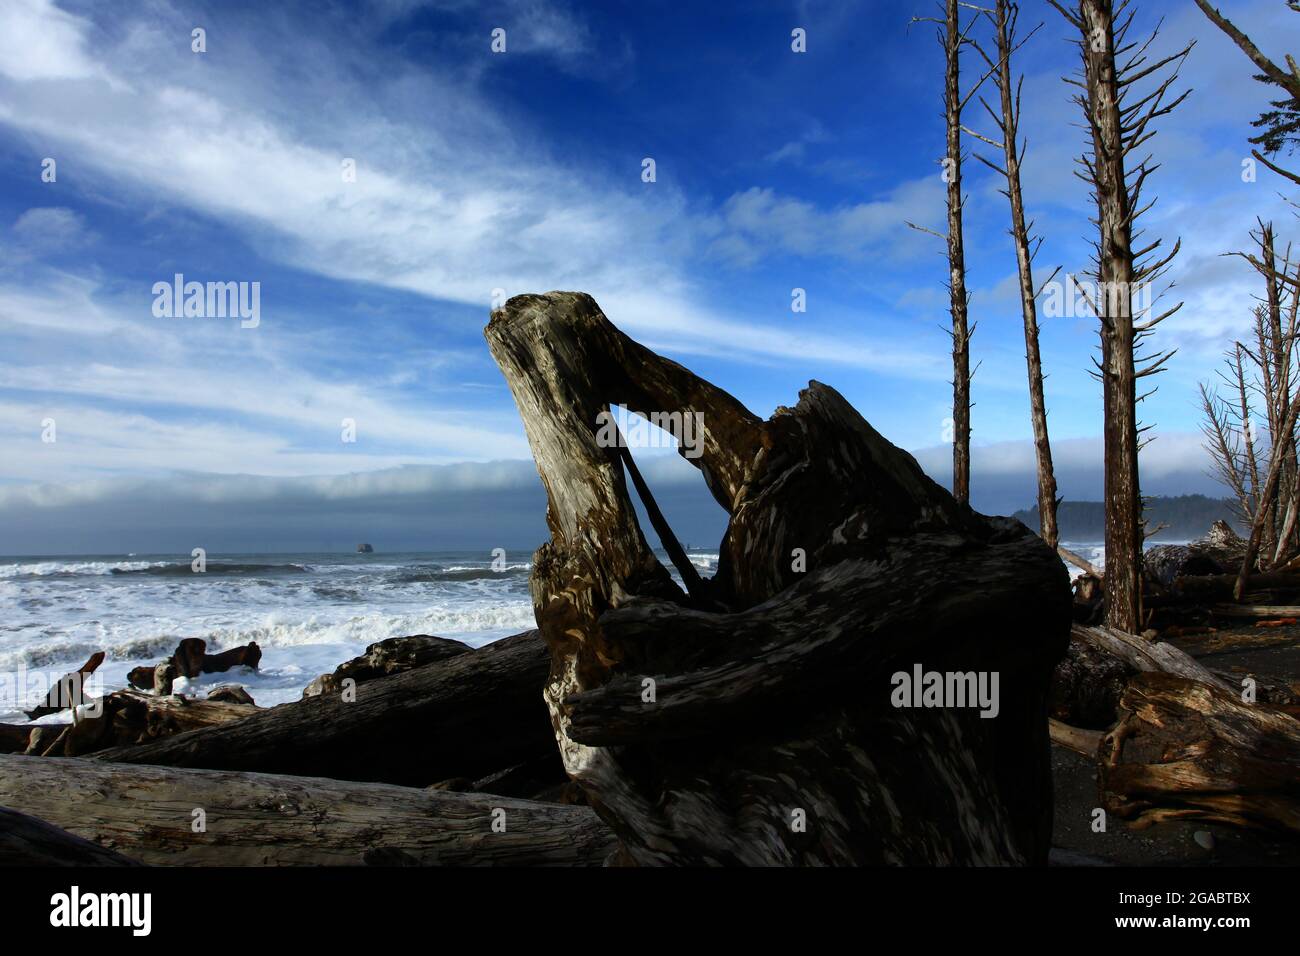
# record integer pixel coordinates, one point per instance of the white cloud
(759, 222)
(38, 41)
(50, 228)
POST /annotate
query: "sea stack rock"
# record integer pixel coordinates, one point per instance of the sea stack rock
(365, 549)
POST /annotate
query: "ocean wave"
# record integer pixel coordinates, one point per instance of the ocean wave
(213, 567)
(67, 569)
(377, 626)
(281, 629)
(417, 575)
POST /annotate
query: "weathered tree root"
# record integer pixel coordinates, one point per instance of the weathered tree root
(759, 728)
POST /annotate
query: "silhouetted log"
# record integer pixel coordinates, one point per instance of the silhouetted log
(1219, 552)
(189, 655)
(1183, 748)
(254, 819)
(1215, 588)
(250, 655)
(469, 715)
(714, 737)
(191, 659)
(27, 841)
(1167, 562)
(69, 691)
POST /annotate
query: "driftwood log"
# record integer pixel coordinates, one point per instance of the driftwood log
(467, 716)
(128, 717)
(27, 841)
(1173, 739)
(752, 722)
(69, 691)
(1090, 680)
(245, 819)
(1186, 749)
(190, 659)
(385, 658)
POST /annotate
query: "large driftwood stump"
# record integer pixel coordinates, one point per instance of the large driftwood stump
(771, 736)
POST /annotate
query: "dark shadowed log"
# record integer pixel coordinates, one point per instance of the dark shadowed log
(1183, 748)
(251, 819)
(189, 656)
(713, 737)
(469, 715)
(231, 694)
(1090, 680)
(1165, 563)
(390, 656)
(27, 841)
(1219, 552)
(250, 655)
(1213, 588)
(128, 717)
(14, 738)
(192, 659)
(69, 691)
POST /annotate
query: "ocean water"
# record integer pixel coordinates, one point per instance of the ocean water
(308, 613)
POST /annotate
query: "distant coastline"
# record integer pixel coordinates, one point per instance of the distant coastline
(1187, 516)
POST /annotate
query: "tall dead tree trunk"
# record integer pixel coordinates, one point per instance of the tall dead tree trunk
(959, 299)
(1118, 127)
(771, 730)
(1007, 120)
(952, 37)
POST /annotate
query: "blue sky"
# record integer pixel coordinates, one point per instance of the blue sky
(521, 171)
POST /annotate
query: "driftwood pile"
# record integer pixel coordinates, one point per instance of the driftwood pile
(1172, 739)
(430, 755)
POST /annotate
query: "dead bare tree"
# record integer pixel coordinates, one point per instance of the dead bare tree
(1007, 121)
(1265, 374)
(1120, 123)
(952, 37)
(1280, 124)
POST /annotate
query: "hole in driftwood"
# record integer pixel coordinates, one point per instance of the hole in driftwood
(697, 587)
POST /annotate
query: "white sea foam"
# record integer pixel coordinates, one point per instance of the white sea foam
(41, 569)
(308, 612)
